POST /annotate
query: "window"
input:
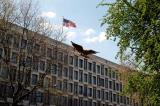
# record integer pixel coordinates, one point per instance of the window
(1, 53)
(110, 73)
(76, 61)
(34, 79)
(106, 82)
(14, 58)
(116, 76)
(114, 97)
(28, 61)
(71, 73)
(23, 43)
(42, 65)
(120, 86)
(102, 69)
(106, 71)
(71, 60)
(94, 80)
(127, 100)
(110, 96)
(80, 75)
(89, 66)
(35, 63)
(117, 98)
(85, 90)
(85, 77)
(29, 46)
(59, 85)
(98, 69)
(65, 59)
(39, 97)
(46, 82)
(37, 47)
(98, 94)
(80, 63)
(98, 80)
(65, 72)
(75, 88)
(16, 42)
(102, 94)
(4, 72)
(70, 86)
(49, 52)
(43, 50)
(60, 70)
(94, 92)
(85, 64)
(60, 56)
(94, 67)
(90, 92)
(121, 99)
(76, 75)
(110, 84)
(102, 82)
(89, 102)
(54, 69)
(107, 96)
(90, 78)
(80, 90)
(65, 85)
(54, 79)
(113, 74)
(114, 85)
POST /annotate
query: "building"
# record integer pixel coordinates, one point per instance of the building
(91, 81)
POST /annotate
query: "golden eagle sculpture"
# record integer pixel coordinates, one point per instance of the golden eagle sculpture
(83, 52)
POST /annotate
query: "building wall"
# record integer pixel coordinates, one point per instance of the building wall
(83, 81)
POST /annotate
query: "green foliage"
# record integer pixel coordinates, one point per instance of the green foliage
(136, 24)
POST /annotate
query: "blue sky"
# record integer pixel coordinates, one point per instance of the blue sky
(87, 18)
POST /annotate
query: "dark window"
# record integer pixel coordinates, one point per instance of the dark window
(117, 86)
(85, 77)
(106, 71)
(71, 60)
(4, 72)
(60, 56)
(98, 69)
(49, 52)
(110, 73)
(114, 97)
(76, 61)
(65, 59)
(1, 53)
(65, 72)
(107, 96)
(94, 92)
(28, 62)
(110, 84)
(117, 98)
(42, 65)
(85, 90)
(71, 73)
(59, 85)
(37, 48)
(54, 68)
(80, 75)
(34, 79)
(102, 82)
(98, 80)
(65, 85)
(98, 94)
(70, 86)
(14, 58)
(80, 90)
(94, 67)
(114, 85)
(90, 92)
(29, 46)
(35, 63)
(89, 66)
(106, 82)
(60, 67)
(75, 88)
(16, 42)
(120, 86)
(23, 43)
(110, 96)
(90, 78)
(113, 74)
(76, 75)
(85, 64)
(94, 80)
(102, 69)
(80, 63)
(102, 94)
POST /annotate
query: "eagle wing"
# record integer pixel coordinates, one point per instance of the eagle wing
(79, 48)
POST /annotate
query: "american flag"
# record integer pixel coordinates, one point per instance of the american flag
(68, 23)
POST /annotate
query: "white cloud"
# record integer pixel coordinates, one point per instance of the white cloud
(100, 38)
(89, 31)
(48, 14)
(71, 35)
